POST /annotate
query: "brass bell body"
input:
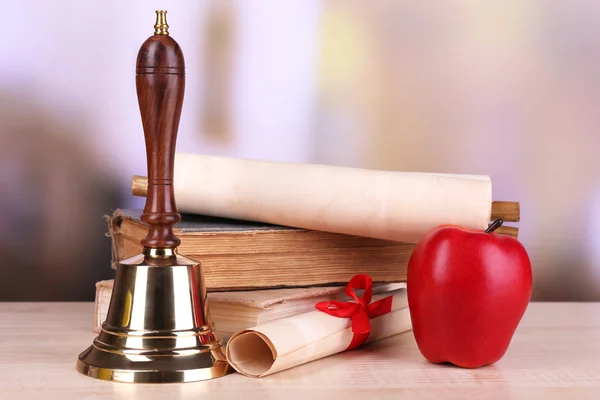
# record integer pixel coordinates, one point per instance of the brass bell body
(158, 327)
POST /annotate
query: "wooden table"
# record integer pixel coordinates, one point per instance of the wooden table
(554, 354)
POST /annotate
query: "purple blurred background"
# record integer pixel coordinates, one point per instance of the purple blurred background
(510, 89)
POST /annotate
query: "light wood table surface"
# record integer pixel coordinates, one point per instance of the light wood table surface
(555, 354)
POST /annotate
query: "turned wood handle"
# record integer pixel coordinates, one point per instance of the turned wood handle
(160, 83)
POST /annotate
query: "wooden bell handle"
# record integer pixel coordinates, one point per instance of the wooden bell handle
(160, 83)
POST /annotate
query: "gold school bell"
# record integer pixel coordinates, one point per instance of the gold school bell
(158, 327)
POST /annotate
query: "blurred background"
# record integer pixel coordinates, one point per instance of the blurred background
(510, 89)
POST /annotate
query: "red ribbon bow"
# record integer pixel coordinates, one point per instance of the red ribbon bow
(361, 311)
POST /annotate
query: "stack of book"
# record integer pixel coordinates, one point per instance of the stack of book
(256, 273)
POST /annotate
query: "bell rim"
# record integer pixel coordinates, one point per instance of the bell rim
(219, 368)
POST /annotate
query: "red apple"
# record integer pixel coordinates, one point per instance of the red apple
(467, 292)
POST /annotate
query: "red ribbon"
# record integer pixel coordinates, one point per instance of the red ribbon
(361, 310)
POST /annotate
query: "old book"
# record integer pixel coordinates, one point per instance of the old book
(234, 311)
(243, 255)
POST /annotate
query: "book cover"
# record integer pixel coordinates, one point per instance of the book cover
(245, 255)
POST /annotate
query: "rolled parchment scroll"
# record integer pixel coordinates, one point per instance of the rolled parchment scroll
(392, 205)
(289, 342)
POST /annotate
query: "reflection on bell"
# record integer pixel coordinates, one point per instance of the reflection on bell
(158, 327)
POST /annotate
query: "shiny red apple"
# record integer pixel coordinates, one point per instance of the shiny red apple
(467, 293)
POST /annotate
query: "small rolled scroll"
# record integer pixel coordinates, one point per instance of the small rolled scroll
(289, 342)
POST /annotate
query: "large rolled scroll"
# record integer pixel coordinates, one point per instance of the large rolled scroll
(400, 206)
(289, 342)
